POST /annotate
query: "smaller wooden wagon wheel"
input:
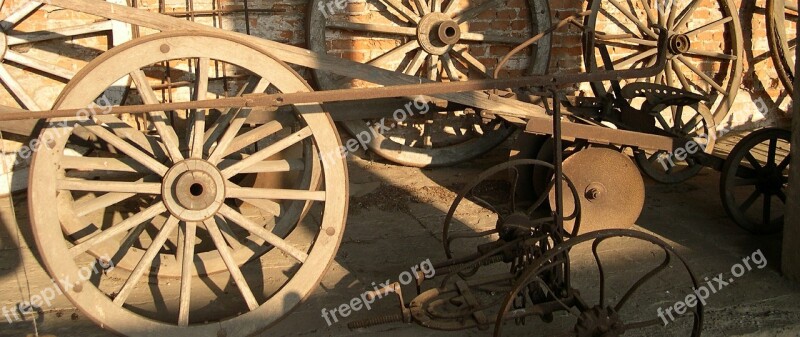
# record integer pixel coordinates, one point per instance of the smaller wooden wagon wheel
(437, 40)
(16, 34)
(187, 196)
(705, 49)
(754, 180)
(782, 38)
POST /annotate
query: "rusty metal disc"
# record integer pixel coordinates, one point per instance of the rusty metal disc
(612, 189)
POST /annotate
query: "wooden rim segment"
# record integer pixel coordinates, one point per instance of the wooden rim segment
(252, 308)
(782, 39)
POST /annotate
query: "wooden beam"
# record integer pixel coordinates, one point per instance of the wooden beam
(293, 55)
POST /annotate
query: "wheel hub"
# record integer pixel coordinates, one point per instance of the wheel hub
(679, 44)
(193, 190)
(770, 180)
(437, 33)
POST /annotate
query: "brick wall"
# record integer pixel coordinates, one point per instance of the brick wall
(284, 21)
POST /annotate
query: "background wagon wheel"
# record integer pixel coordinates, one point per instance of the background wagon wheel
(782, 38)
(656, 275)
(24, 68)
(757, 168)
(705, 54)
(191, 183)
(684, 122)
(439, 40)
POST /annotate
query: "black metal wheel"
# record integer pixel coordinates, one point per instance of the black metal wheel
(754, 180)
(629, 297)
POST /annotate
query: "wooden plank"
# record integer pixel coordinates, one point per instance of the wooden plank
(601, 134)
(295, 55)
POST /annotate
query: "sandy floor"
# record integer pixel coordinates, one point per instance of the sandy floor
(395, 222)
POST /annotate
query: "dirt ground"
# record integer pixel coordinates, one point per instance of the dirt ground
(395, 222)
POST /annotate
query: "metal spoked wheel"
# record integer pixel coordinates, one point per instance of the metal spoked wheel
(23, 71)
(189, 195)
(757, 169)
(782, 38)
(705, 53)
(437, 40)
(504, 204)
(696, 125)
(556, 281)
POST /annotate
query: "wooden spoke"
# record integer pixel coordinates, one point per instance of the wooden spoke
(146, 261)
(125, 147)
(651, 18)
(472, 12)
(767, 209)
(633, 58)
(109, 186)
(464, 55)
(745, 182)
(263, 233)
(267, 152)
(118, 228)
(451, 6)
(416, 63)
(423, 7)
(222, 124)
(268, 206)
(394, 54)
(709, 25)
(635, 20)
(159, 118)
(433, 68)
(771, 151)
(102, 164)
(702, 75)
(58, 33)
(20, 13)
(39, 65)
(681, 77)
(371, 28)
(450, 68)
(711, 54)
(253, 136)
(230, 236)
(16, 89)
(187, 270)
(84, 208)
(784, 163)
(686, 14)
(436, 5)
(750, 200)
(491, 38)
(398, 6)
(197, 140)
(268, 166)
(274, 194)
(123, 130)
(234, 127)
(230, 262)
(753, 161)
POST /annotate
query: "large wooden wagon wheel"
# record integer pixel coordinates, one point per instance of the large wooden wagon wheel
(20, 72)
(782, 38)
(187, 197)
(705, 49)
(437, 40)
